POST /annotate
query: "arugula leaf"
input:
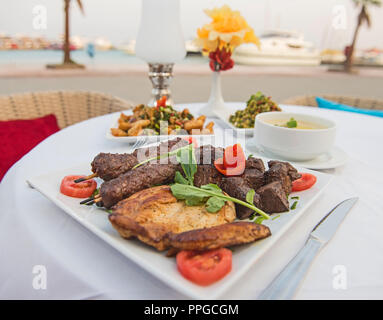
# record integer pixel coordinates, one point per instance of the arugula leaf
(185, 192)
(210, 194)
(180, 179)
(214, 204)
(195, 201)
(188, 163)
(194, 194)
(212, 187)
(250, 196)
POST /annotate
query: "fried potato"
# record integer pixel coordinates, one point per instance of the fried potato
(124, 117)
(118, 132)
(135, 130)
(210, 126)
(125, 125)
(202, 118)
(193, 124)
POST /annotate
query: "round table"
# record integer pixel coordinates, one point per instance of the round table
(79, 265)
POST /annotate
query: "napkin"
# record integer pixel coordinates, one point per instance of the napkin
(326, 104)
(18, 137)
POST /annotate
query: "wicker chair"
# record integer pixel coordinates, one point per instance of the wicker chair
(358, 102)
(69, 107)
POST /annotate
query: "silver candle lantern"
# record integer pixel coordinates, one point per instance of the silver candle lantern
(160, 43)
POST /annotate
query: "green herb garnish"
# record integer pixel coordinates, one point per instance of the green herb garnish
(211, 195)
(95, 192)
(259, 220)
(294, 205)
(198, 195)
(297, 198)
(292, 123)
(250, 196)
(188, 162)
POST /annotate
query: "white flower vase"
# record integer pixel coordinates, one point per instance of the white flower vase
(215, 105)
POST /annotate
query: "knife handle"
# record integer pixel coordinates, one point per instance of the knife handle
(286, 283)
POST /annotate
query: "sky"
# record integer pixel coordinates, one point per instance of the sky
(326, 23)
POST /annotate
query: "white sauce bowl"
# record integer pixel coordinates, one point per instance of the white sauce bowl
(291, 143)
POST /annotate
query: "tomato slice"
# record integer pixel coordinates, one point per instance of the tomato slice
(204, 268)
(233, 156)
(233, 162)
(305, 182)
(77, 190)
(192, 140)
(229, 172)
(161, 102)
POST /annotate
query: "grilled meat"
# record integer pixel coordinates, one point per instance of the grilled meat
(207, 154)
(254, 178)
(273, 198)
(206, 174)
(291, 171)
(254, 163)
(220, 236)
(109, 166)
(237, 187)
(151, 214)
(283, 172)
(143, 177)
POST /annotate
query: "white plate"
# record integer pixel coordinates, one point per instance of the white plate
(248, 132)
(333, 159)
(157, 263)
(154, 138)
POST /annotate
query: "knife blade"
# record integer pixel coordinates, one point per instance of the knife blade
(286, 283)
(326, 228)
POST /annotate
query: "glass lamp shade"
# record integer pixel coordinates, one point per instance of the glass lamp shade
(160, 38)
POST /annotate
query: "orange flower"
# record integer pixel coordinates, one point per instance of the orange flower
(227, 29)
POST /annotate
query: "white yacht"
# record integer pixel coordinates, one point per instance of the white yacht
(278, 47)
(129, 47)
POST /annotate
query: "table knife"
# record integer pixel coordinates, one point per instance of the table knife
(286, 283)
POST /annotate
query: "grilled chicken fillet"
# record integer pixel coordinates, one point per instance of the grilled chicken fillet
(224, 235)
(151, 214)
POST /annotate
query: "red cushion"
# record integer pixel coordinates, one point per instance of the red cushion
(18, 137)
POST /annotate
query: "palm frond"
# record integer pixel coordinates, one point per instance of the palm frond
(377, 3)
(80, 6)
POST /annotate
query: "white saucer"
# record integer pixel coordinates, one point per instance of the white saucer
(333, 159)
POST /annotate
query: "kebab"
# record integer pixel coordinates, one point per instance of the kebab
(151, 173)
(108, 166)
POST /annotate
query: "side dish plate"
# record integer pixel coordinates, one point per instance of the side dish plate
(153, 138)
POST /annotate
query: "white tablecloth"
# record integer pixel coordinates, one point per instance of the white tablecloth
(33, 231)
